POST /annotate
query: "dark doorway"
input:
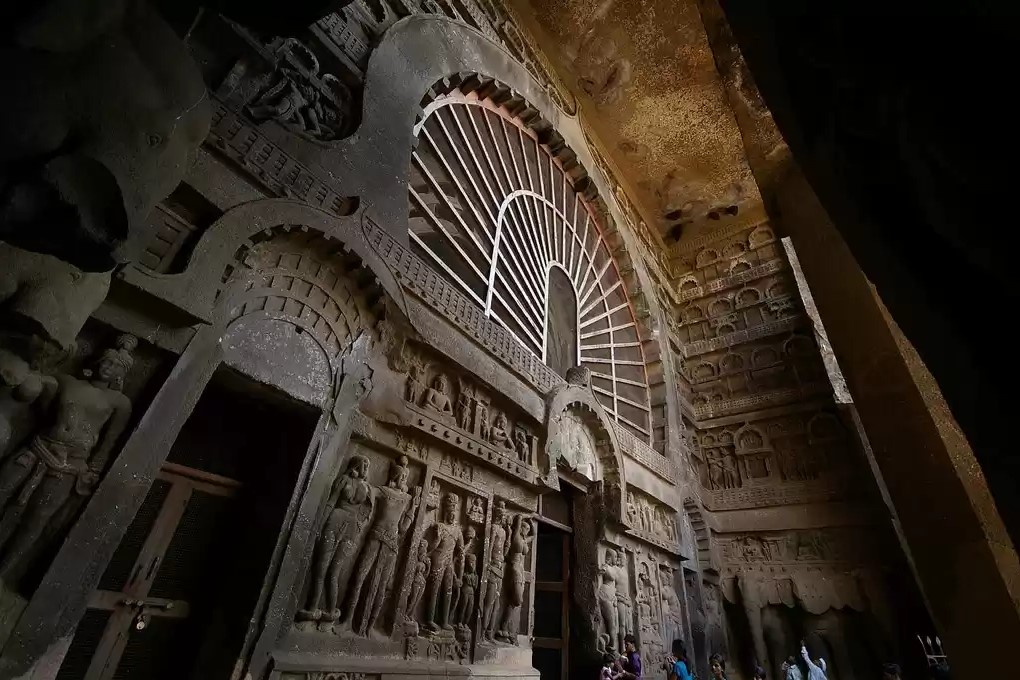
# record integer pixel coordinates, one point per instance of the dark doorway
(561, 323)
(551, 648)
(177, 597)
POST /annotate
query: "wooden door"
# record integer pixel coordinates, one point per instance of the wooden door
(148, 593)
(551, 646)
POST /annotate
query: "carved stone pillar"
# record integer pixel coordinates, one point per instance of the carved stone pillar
(750, 592)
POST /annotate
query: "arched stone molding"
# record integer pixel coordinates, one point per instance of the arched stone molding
(196, 289)
(577, 398)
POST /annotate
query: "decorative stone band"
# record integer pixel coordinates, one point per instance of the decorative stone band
(740, 337)
(757, 402)
(714, 236)
(646, 455)
(268, 164)
(426, 422)
(726, 282)
(671, 547)
(788, 493)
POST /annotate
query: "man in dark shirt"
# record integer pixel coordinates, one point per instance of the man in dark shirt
(633, 659)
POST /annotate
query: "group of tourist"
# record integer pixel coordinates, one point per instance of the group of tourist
(678, 667)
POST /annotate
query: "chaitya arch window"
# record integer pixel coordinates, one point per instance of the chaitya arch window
(495, 212)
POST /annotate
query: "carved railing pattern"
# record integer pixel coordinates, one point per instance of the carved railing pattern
(820, 491)
(269, 164)
(721, 284)
(740, 337)
(757, 402)
(689, 246)
(645, 454)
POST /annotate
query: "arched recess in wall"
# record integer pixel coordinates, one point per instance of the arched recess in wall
(495, 209)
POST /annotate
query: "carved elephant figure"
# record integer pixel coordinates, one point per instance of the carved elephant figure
(102, 111)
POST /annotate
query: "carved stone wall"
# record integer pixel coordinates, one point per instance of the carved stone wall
(409, 542)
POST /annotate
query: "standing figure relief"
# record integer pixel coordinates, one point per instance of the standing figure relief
(499, 548)
(520, 543)
(395, 509)
(349, 505)
(447, 565)
(65, 457)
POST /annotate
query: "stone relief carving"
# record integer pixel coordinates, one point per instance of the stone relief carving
(520, 542)
(447, 565)
(652, 521)
(284, 83)
(609, 606)
(349, 505)
(499, 549)
(65, 453)
(394, 512)
(672, 616)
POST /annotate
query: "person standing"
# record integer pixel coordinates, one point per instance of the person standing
(717, 666)
(677, 665)
(633, 670)
(816, 669)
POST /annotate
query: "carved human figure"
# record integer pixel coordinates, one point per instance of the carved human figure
(469, 547)
(476, 511)
(608, 600)
(498, 433)
(463, 410)
(520, 542)
(421, 575)
(717, 477)
(415, 386)
(437, 397)
(466, 605)
(624, 607)
(350, 502)
(632, 510)
(394, 512)
(483, 421)
(521, 444)
(24, 397)
(447, 564)
(499, 547)
(730, 474)
(67, 456)
(670, 603)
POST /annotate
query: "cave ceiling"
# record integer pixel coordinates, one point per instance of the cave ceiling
(648, 87)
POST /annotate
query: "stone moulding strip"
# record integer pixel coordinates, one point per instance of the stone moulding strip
(726, 282)
(755, 402)
(642, 535)
(268, 163)
(483, 451)
(820, 491)
(645, 455)
(716, 236)
(740, 337)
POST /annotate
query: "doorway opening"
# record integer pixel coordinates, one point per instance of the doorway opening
(553, 601)
(177, 598)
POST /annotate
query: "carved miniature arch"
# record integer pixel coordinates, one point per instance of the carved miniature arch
(576, 400)
(749, 439)
(199, 286)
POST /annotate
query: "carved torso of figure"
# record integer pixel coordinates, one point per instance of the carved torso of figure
(497, 549)
(82, 410)
(463, 410)
(498, 432)
(391, 504)
(448, 541)
(521, 444)
(437, 399)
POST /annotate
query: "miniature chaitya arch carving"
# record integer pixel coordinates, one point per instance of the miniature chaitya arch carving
(495, 209)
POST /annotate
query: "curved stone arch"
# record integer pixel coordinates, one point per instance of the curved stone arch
(577, 396)
(197, 288)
